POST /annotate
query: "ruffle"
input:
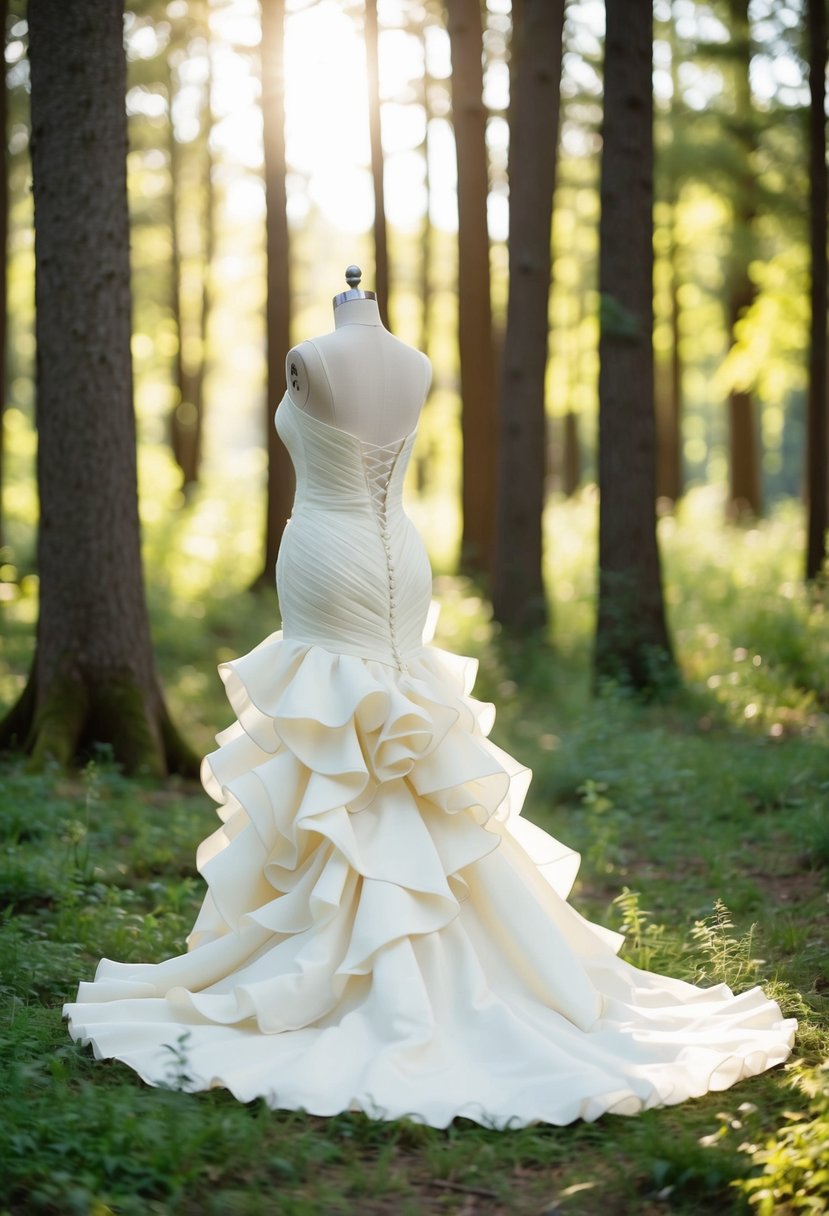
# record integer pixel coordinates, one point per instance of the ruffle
(374, 891)
(339, 765)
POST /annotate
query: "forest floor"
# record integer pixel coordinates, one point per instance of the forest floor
(703, 828)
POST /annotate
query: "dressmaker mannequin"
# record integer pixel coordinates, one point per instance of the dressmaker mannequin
(359, 378)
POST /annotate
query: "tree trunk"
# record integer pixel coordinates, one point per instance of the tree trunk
(381, 255)
(669, 479)
(745, 499)
(4, 252)
(422, 457)
(817, 425)
(191, 473)
(186, 423)
(571, 460)
(280, 470)
(632, 645)
(477, 360)
(676, 480)
(518, 597)
(570, 444)
(92, 679)
(426, 241)
(181, 420)
(669, 405)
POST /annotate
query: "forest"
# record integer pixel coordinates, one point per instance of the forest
(606, 226)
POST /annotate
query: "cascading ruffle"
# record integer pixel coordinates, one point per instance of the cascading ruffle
(338, 765)
(374, 891)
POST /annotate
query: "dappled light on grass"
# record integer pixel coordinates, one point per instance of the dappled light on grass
(748, 631)
(787, 1172)
(113, 866)
(672, 807)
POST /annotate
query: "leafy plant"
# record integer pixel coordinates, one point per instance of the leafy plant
(725, 958)
(794, 1162)
(647, 944)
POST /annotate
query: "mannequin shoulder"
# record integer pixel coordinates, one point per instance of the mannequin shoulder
(303, 372)
(296, 375)
(418, 363)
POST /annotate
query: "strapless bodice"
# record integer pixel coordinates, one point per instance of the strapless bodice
(352, 574)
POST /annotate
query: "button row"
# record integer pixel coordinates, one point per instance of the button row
(385, 534)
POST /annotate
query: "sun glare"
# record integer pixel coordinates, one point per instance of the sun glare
(326, 106)
(325, 81)
(326, 118)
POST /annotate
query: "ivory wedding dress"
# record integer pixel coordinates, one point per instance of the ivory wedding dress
(381, 930)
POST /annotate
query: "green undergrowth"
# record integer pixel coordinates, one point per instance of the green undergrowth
(702, 825)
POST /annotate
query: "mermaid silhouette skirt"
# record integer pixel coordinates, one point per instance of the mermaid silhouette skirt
(381, 929)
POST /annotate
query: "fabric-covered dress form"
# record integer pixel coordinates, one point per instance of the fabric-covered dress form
(381, 929)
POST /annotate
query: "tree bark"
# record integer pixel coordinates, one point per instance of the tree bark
(92, 679)
(381, 254)
(280, 471)
(817, 451)
(745, 498)
(632, 645)
(519, 602)
(477, 360)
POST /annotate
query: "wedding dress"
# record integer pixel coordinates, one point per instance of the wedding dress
(381, 930)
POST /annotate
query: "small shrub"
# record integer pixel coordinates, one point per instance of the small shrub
(794, 1162)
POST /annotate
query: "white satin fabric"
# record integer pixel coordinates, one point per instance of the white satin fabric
(381, 930)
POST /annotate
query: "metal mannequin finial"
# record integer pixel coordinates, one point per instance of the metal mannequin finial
(353, 275)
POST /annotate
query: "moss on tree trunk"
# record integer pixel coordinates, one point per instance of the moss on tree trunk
(63, 721)
(93, 678)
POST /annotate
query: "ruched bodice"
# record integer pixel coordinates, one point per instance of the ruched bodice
(352, 573)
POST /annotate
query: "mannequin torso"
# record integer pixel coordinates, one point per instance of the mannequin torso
(360, 378)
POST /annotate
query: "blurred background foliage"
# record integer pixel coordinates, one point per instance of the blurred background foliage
(207, 54)
(722, 789)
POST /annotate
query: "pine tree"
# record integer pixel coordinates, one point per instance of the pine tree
(816, 479)
(92, 678)
(632, 644)
(280, 489)
(518, 583)
(477, 361)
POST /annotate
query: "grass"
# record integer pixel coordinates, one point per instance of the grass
(703, 831)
